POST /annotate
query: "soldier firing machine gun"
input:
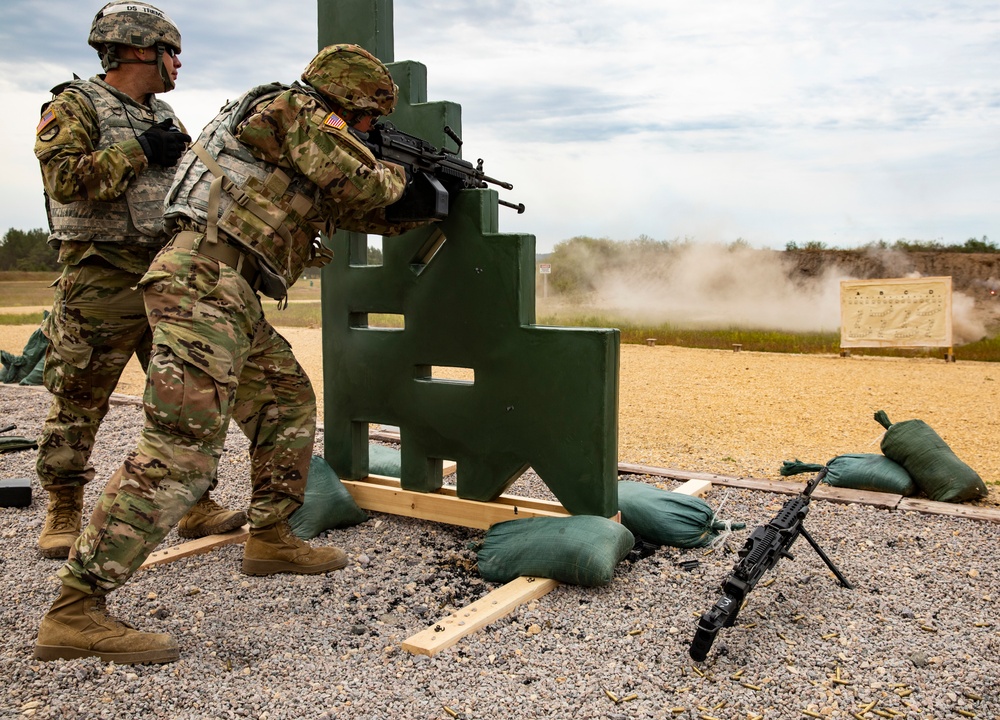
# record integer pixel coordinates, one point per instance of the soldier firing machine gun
(765, 547)
(433, 174)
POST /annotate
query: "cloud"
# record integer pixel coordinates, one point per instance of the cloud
(843, 121)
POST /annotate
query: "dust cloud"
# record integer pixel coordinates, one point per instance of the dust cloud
(713, 285)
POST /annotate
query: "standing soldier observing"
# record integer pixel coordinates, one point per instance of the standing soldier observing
(107, 148)
(275, 169)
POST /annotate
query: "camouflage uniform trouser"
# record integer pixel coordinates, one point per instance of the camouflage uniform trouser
(214, 357)
(97, 322)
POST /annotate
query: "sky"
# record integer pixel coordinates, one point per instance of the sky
(843, 122)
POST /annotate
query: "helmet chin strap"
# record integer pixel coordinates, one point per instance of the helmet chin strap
(168, 81)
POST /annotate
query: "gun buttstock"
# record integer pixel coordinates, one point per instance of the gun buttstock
(701, 644)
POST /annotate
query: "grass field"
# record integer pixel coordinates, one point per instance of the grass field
(33, 291)
(21, 288)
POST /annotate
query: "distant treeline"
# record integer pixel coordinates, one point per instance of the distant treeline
(27, 251)
(577, 258)
(578, 262)
(972, 245)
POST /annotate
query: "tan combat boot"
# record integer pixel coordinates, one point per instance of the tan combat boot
(77, 625)
(62, 521)
(207, 517)
(275, 549)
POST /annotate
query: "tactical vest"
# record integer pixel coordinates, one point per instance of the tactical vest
(136, 217)
(257, 204)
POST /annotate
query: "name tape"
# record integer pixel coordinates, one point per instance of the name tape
(126, 7)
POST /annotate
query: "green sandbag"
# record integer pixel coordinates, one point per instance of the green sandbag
(36, 376)
(384, 460)
(17, 367)
(578, 550)
(668, 518)
(10, 367)
(327, 503)
(859, 471)
(933, 465)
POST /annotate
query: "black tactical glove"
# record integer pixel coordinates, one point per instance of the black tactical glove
(163, 143)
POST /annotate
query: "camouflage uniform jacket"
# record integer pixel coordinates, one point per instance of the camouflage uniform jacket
(104, 197)
(290, 170)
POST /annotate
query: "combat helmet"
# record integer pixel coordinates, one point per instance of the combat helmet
(353, 79)
(138, 25)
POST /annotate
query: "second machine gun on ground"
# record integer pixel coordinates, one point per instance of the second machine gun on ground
(765, 547)
(432, 173)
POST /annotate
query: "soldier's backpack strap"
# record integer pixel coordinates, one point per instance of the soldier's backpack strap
(58, 89)
(221, 181)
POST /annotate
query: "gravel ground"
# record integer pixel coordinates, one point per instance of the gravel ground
(919, 635)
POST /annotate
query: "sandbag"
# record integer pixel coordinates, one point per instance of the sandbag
(859, 471)
(36, 376)
(16, 368)
(11, 367)
(578, 550)
(384, 460)
(327, 503)
(668, 518)
(934, 467)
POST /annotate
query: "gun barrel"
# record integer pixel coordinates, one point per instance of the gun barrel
(519, 207)
(453, 135)
(814, 481)
(494, 181)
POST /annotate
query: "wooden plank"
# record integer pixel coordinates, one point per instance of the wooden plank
(384, 436)
(952, 509)
(119, 399)
(772, 486)
(442, 507)
(449, 630)
(450, 490)
(462, 512)
(775, 486)
(673, 473)
(887, 501)
(694, 488)
(196, 547)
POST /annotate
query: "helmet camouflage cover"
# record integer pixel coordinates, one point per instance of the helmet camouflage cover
(352, 78)
(136, 24)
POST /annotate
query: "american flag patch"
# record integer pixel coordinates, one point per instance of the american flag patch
(335, 121)
(47, 119)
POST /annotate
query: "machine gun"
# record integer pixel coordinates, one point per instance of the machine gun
(766, 545)
(433, 174)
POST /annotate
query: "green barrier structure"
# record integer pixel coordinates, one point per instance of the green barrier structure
(463, 293)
